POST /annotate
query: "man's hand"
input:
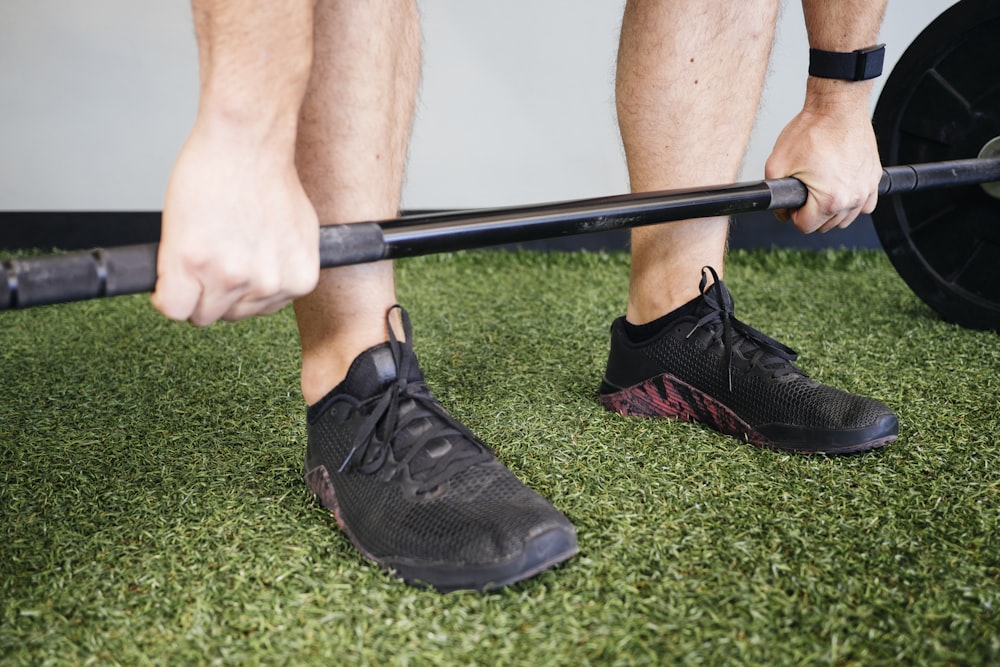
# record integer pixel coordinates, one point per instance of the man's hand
(830, 146)
(836, 156)
(239, 236)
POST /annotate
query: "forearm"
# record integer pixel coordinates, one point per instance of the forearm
(254, 63)
(841, 25)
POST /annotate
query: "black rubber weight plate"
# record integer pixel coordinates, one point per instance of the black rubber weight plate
(942, 102)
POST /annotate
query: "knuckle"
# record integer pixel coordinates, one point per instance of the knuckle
(266, 284)
(224, 275)
(233, 274)
(304, 282)
(840, 203)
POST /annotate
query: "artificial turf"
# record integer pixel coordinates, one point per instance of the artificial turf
(153, 510)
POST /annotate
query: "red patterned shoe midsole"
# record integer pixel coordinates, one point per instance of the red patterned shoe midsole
(318, 481)
(666, 396)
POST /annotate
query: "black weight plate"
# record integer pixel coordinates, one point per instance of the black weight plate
(942, 102)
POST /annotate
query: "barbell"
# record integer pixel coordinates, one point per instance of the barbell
(937, 111)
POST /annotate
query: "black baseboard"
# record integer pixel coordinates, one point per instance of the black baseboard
(762, 230)
(80, 230)
(76, 230)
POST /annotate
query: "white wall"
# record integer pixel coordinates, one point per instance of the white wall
(96, 97)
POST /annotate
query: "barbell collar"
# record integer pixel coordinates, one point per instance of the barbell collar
(947, 174)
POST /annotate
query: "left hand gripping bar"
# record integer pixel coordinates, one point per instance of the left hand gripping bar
(78, 276)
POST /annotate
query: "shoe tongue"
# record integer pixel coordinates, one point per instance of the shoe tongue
(440, 444)
(375, 368)
(717, 298)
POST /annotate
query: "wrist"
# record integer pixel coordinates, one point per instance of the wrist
(260, 108)
(237, 127)
(829, 96)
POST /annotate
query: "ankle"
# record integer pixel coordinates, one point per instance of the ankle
(652, 307)
(640, 333)
(652, 297)
(324, 369)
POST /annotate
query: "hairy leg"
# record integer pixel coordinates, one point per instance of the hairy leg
(689, 81)
(352, 142)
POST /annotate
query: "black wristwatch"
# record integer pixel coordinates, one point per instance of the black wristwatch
(859, 65)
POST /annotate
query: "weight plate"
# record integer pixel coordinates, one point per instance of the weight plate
(942, 102)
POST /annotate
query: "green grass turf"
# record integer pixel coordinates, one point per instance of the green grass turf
(153, 512)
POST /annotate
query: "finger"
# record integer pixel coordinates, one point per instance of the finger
(847, 218)
(870, 203)
(809, 218)
(841, 220)
(782, 214)
(176, 295)
(252, 308)
(214, 304)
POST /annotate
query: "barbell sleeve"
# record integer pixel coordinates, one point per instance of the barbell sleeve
(76, 276)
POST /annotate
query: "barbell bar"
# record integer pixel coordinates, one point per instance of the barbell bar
(77, 276)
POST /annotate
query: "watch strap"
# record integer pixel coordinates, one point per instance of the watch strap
(859, 65)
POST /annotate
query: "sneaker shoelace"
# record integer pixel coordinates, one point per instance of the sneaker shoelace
(406, 421)
(762, 350)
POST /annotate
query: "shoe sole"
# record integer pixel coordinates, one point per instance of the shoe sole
(544, 550)
(665, 396)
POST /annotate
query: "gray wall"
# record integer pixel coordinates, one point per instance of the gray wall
(96, 97)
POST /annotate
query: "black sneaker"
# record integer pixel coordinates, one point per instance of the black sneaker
(418, 493)
(701, 364)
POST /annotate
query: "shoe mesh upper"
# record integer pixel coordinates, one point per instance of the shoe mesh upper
(750, 373)
(482, 514)
(409, 481)
(757, 396)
